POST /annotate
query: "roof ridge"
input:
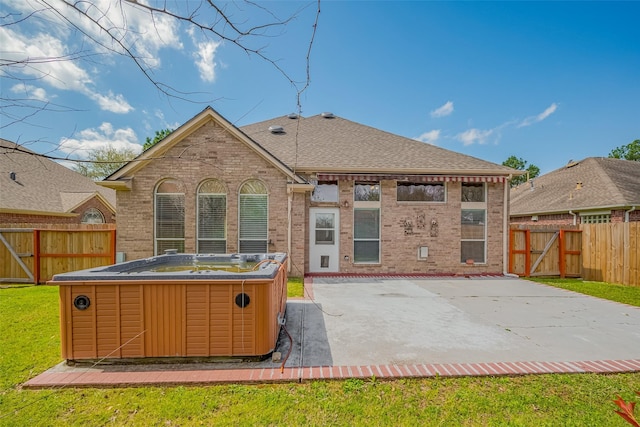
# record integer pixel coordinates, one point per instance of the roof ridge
(604, 174)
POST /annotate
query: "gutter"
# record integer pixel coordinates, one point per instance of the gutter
(575, 216)
(626, 213)
(289, 226)
(505, 227)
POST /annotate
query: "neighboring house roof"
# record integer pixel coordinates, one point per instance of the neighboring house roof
(590, 184)
(41, 186)
(316, 143)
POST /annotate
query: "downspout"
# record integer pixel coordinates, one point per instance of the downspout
(626, 213)
(289, 207)
(575, 216)
(505, 230)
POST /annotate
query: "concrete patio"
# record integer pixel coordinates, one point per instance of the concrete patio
(413, 327)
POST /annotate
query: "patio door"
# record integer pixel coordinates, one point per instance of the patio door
(324, 235)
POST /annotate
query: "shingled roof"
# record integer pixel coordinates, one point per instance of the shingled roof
(335, 144)
(31, 183)
(590, 184)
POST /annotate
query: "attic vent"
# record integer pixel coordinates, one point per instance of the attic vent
(327, 115)
(293, 116)
(276, 129)
(12, 176)
(571, 164)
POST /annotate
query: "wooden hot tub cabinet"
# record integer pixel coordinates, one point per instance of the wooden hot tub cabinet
(130, 319)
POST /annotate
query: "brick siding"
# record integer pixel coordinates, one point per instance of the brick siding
(399, 244)
(212, 153)
(567, 219)
(208, 153)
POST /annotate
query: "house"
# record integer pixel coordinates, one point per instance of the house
(36, 190)
(593, 190)
(337, 196)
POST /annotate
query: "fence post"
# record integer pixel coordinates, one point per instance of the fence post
(562, 249)
(113, 246)
(36, 256)
(511, 254)
(527, 248)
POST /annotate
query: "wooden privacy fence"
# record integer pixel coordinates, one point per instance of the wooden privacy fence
(545, 252)
(599, 252)
(34, 255)
(611, 252)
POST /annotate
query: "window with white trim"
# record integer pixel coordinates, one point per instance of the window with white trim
(473, 230)
(92, 216)
(169, 216)
(366, 223)
(253, 217)
(212, 217)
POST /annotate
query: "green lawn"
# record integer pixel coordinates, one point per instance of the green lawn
(620, 293)
(29, 344)
(295, 287)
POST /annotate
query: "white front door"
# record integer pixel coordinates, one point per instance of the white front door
(324, 236)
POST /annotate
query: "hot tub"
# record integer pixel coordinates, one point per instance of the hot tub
(175, 305)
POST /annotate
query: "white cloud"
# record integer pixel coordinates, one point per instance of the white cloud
(110, 102)
(31, 92)
(50, 45)
(472, 136)
(205, 60)
(430, 137)
(49, 61)
(103, 136)
(540, 117)
(443, 111)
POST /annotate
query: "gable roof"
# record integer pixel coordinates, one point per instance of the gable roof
(319, 144)
(606, 183)
(42, 186)
(199, 120)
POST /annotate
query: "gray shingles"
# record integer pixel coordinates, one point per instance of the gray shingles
(605, 183)
(320, 144)
(41, 184)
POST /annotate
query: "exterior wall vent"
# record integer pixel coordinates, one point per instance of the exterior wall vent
(327, 115)
(293, 116)
(276, 129)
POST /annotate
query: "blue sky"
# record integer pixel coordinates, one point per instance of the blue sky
(546, 81)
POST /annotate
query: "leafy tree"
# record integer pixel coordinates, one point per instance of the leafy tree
(631, 151)
(521, 165)
(160, 135)
(102, 162)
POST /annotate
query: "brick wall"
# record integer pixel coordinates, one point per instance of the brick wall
(555, 219)
(399, 243)
(567, 219)
(211, 152)
(208, 153)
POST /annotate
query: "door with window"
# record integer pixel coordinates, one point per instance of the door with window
(324, 234)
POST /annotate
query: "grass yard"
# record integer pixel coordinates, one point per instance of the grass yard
(295, 287)
(611, 291)
(29, 344)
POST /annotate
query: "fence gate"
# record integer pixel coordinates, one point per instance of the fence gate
(16, 255)
(545, 252)
(31, 255)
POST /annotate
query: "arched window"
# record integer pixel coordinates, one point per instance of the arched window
(253, 217)
(92, 216)
(212, 217)
(169, 216)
